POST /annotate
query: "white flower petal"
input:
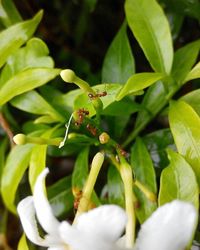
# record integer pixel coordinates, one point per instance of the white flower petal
(169, 228)
(43, 209)
(80, 240)
(107, 222)
(26, 213)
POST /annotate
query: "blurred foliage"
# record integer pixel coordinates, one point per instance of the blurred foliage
(136, 59)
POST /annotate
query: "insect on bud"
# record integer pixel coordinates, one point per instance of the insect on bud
(104, 138)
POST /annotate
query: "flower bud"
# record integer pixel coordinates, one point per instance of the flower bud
(19, 139)
(104, 138)
(68, 75)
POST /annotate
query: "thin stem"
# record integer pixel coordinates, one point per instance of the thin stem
(4, 124)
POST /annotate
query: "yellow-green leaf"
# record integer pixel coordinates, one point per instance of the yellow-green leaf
(178, 181)
(16, 35)
(25, 81)
(185, 127)
(138, 82)
(151, 29)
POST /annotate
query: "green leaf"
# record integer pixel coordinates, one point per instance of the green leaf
(193, 99)
(38, 158)
(80, 172)
(185, 124)
(118, 64)
(37, 163)
(60, 197)
(16, 35)
(138, 82)
(125, 107)
(152, 102)
(151, 29)
(34, 103)
(16, 164)
(25, 81)
(33, 55)
(156, 143)
(184, 59)
(115, 187)
(194, 73)
(22, 243)
(8, 13)
(178, 181)
(144, 172)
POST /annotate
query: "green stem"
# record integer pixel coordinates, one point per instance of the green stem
(68, 75)
(89, 185)
(142, 125)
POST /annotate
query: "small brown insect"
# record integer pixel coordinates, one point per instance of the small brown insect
(94, 96)
(91, 129)
(81, 114)
(77, 197)
(122, 151)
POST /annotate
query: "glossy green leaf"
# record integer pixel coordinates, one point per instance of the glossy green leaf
(118, 64)
(178, 181)
(185, 124)
(34, 103)
(25, 81)
(16, 35)
(33, 55)
(124, 107)
(16, 164)
(61, 197)
(22, 245)
(184, 59)
(193, 99)
(115, 187)
(80, 172)
(151, 29)
(194, 73)
(144, 172)
(8, 13)
(138, 82)
(156, 143)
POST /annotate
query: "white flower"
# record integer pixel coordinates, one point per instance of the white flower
(97, 229)
(170, 227)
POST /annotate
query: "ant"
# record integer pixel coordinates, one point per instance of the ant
(91, 129)
(122, 151)
(77, 196)
(81, 114)
(94, 96)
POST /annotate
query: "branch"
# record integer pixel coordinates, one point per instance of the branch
(4, 124)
